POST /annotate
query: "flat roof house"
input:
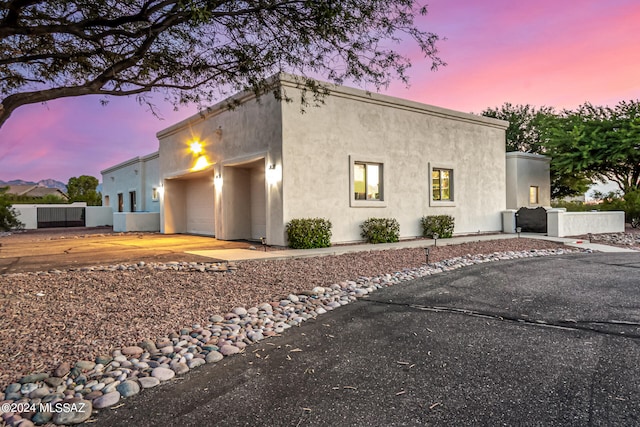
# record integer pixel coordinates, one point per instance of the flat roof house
(243, 173)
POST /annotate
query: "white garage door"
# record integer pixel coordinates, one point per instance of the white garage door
(200, 200)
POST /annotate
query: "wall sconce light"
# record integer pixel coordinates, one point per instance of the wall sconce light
(274, 173)
(217, 180)
(196, 147)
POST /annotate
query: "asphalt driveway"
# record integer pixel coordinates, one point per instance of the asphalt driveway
(543, 341)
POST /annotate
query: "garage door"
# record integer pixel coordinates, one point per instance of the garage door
(199, 200)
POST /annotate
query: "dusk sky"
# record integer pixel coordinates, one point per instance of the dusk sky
(547, 52)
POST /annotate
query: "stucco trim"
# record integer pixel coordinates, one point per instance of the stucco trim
(130, 162)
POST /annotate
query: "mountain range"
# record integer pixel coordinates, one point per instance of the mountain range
(51, 183)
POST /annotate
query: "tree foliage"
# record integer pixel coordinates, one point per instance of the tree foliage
(601, 142)
(524, 131)
(52, 49)
(8, 215)
(83, 189)
(527, 132)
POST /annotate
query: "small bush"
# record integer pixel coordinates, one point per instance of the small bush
(380, 230)
(308, 233)
(441, 224)
(8, 215)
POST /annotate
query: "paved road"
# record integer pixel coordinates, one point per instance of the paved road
(547, 341)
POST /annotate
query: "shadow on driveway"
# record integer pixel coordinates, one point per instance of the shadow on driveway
(542, 341)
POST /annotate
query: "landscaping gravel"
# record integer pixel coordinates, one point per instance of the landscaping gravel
(95, 335)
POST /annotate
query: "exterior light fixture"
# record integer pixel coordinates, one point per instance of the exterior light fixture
(426, 252)
(518, 230)
(196, 147)
(435, 239)
(217, 181)
(273, 173)
(263, 240)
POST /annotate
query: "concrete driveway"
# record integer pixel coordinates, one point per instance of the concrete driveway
(543, 341)
(41, 250)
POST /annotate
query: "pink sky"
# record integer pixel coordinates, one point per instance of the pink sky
(547, 52)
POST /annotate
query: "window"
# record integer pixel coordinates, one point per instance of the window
(120, 203)
(534, 195)
(154, 193)
(132, 201)
(442, 184)
(106, 201)
(367, 181)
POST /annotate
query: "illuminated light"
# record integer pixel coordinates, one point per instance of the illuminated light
(217, 181)
(196, 147)
(274, 174)
(160, 190)
(201, 163)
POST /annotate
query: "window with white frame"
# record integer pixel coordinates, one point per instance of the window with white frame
(442, 185)
(367, 181)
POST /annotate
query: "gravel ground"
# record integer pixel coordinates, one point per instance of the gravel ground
(48, 318)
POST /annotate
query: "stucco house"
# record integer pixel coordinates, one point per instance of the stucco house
(243, 173)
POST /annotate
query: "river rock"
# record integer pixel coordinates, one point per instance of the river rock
(128, 388)
(74, 417)
(163, 374)
(148, 382)
(213, 357)
(106, 400)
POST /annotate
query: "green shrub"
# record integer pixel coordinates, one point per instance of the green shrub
(629, 203)
(441, 224)
(380, 230)
(8, 215)
(308, 233)
(572, 206)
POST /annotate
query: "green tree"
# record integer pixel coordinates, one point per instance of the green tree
(63, 48)
(600, 142)
(527, 132)
(523, 133)
(8, 215)
(83, 189)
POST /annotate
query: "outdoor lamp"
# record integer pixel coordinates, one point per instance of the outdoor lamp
(518, 230)
(435, 239)
(426, 252)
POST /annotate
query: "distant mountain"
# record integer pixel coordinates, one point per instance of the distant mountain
(50, 183)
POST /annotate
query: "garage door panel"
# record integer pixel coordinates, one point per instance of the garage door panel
(200, 206)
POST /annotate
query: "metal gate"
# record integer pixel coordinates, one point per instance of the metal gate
(61, 217)
(532, 220)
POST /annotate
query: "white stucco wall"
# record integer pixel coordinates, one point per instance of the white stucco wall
(97, 216)
(525, 170)
(136, 221)
(408, 138)
(236, 144)
(561, 223)
(140, 174)
(27, 215)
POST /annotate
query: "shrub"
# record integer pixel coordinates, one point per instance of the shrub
(441, 224)
(8, 215)
(629, 203)
(308, 233)
(380, 230)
